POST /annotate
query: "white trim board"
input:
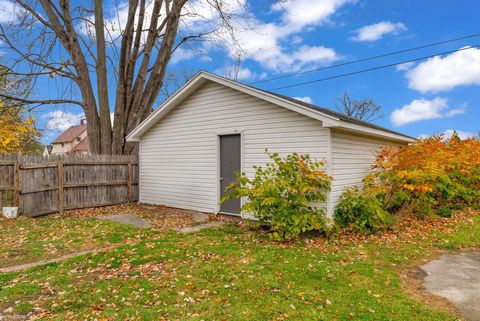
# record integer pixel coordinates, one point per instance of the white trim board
(202, 77)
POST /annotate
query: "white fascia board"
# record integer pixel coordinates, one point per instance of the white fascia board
(375, 132)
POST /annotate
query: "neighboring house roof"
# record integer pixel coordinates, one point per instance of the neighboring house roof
(83, 146)
(329, 118)
(70, 134)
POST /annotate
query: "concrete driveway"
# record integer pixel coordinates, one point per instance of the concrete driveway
(456, 277)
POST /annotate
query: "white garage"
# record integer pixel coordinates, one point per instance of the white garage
(191, 146)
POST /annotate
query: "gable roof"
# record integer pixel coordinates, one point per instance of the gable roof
(329, 118)
(70, 134)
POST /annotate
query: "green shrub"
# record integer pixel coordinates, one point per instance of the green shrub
(361, 211)
(445, 212)
(282, 194)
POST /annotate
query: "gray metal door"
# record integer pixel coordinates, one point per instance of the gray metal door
(230, 164)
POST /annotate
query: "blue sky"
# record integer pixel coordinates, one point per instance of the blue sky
(430, 96)
(412, 101)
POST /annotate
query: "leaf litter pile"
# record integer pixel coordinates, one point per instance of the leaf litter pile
(236, 273)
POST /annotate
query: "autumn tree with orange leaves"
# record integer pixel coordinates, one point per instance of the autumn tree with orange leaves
(432, 175)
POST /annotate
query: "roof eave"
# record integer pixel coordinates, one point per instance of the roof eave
(202, 76)
(348, 126)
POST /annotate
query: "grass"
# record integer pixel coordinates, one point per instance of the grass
(29, 240)
(235, 273)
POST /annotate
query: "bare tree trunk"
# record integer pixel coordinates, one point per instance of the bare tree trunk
(141, 97)
(102, 84)
(120, 113)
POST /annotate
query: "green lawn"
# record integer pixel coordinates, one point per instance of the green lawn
(27, 240)
(233, 273)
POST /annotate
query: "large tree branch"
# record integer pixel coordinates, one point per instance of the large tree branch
(37, 61)
(41, 101)
(137, 91)
(120, 95)
(152, 88)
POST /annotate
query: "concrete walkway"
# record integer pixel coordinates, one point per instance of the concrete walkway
(456, 277)
(128, 219)
(197, 228)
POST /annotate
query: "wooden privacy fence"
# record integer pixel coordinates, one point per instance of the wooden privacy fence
(43, 185)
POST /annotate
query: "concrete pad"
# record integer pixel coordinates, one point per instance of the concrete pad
(197, 228)
(129, 219)
(199, 217)
(456, 277)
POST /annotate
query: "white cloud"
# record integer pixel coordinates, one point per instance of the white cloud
(7, 10)
(301, 13)
(62, 120)
(449, 133)
(272, 44)
(182, 54)
(405, 66)
(296, 40)
(263, 45)
(378, 30)
(461, 134)
(306, 54)
(437, 74)
(423, 109)
(244, 74)
(239, 73)
(306, 99)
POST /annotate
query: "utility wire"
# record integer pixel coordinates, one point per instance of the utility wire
(374, 68)
(364, 59)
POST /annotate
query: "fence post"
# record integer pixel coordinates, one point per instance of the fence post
(60, 187)
(16, 185)
(130, 179)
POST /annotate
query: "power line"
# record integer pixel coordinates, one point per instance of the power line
(374, 68)
(365, 59)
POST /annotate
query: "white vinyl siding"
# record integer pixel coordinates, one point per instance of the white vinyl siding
(178, 155)
(352, 159)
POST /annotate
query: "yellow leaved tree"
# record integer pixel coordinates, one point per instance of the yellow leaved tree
(17, 132)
